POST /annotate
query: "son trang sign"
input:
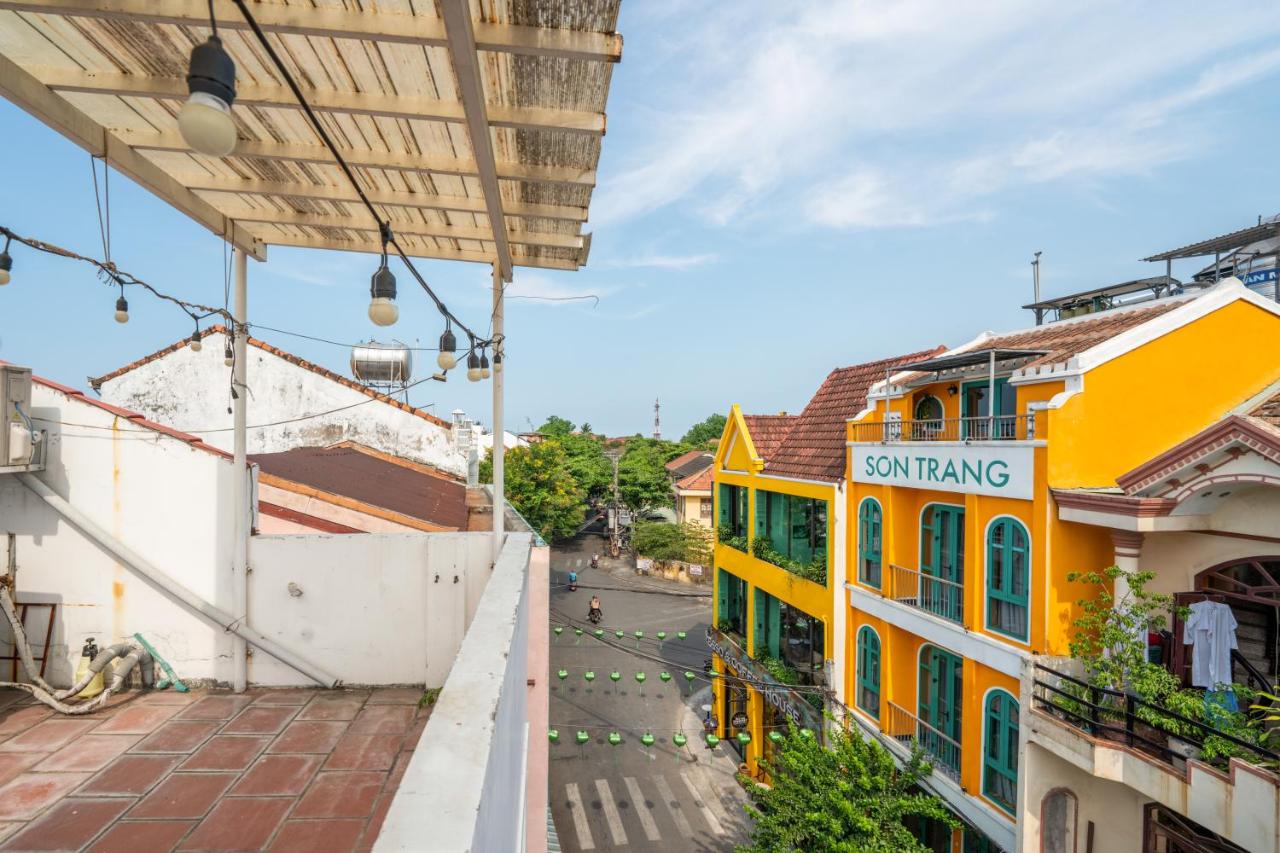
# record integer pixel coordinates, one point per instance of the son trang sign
(1002, 471)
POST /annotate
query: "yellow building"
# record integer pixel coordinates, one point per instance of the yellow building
(779, 561)
(979, 479)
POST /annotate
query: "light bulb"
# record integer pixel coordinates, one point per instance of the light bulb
(383, 311)
(196, 346)
(447, 359)
(382, 288)
(228, 357)
(6, 264)
(497, 362)
(484, 366)
(205, 121)
(122, 310)
(473, 367)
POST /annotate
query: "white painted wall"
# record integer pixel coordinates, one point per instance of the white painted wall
(175, 390)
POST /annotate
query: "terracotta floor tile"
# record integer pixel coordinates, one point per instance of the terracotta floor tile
(364, 752)
(29, 794)
(340, 794)
(173, 697)
(324, 708)
(184, 795)
(47, 736)
(260, 720)
(223, 752)
(242, 823)
(69, 825)
(300, 696)
(91, 752)
(380, 810)
(383, 720)
(177, 736)
(17, 718)
(142, 836)
(137, 720)
(309, 736)
(397, 772)
(414, 734)
(309, 836)
(9, 696)
(396, 696)
(278, 775)
(130, 775)
(13, 763)
(215, 708)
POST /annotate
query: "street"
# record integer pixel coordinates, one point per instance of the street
(628, 795)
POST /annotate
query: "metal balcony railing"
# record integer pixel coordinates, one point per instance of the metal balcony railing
(906, 728)
(994, 428)
(941, 597)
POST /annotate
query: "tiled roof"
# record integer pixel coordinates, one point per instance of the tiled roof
(683, 458)
(768, 431)
(132, 417)
(373, 480)
(689, 463)
(1068, 338)
(96, 382)
(1268, 410)
(814, 448)
(699, 482)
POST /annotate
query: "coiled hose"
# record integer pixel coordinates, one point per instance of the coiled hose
(132, 654)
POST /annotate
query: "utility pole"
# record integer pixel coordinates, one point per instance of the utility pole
(657, 419)
(615, 509)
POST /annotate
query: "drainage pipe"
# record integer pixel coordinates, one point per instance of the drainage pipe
(197, 605)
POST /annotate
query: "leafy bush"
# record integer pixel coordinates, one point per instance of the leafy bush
(815, 570)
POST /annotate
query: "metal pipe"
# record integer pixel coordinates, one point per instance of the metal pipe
(499, 434)
(240, 488)
(1035, 278)
(991, 396)
(138, 564)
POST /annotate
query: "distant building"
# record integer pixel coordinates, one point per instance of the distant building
(693, 498)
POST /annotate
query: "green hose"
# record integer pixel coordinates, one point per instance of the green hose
(171, 678)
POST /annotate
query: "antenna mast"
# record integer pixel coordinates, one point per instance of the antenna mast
(657, 419)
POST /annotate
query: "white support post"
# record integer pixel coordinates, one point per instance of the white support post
(499, 443)
(991, 396)
(240, 496)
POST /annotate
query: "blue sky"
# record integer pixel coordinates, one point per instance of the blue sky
(785, 188)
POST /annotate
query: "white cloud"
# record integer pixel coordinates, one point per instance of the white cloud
(663, 262)
(862, 113)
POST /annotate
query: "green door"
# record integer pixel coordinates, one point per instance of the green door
(942, 557)
(939, 708)
(977, 410)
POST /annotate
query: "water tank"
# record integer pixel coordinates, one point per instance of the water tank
(382, 364)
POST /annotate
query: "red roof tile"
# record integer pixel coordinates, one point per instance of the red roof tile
(1268, 410)
(683, 458)
(768, 431)
(96, 382)
(699, 482)
(1069, 338)
(814, 448)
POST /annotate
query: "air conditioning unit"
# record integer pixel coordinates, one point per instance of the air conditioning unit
(18, 437)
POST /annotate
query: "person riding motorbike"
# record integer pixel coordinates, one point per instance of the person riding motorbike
(595, 561)
(595, 614)
(573, 581)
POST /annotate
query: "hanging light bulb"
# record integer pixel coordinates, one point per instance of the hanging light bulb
(6, 264)
(382, 288)
(205, 121)
(497, 362)
(122, 310)
(195, 343)
(448, 359)
(473, 366)
(484, 365)
(228, 355)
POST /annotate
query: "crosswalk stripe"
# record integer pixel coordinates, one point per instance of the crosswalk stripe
(673, 806)
(611, 813)
(580, 824)
(700, 802)
(642, 809)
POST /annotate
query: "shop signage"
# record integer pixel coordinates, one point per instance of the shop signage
(695, 570)
(777, 695)
(1260, 277)
(739, 720)
(998, 470)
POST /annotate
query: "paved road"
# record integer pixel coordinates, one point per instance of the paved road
(606, 797)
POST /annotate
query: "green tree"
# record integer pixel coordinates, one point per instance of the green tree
(642, 480)
(659, 541)
(590, 467)
(705, 432)
(557, 426)
(847, 797)
(541, 486)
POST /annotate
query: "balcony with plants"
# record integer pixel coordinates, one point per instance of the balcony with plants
(732, 521)
(791, 533)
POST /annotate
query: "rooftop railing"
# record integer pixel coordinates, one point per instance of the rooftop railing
(941, 597)
(907, 728)
(992, 428)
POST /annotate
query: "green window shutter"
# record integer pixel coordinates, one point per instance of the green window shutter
(722, 505)
(722, 596)
(1000, 751)
(868, 694)
(1008, 568)
(775, 626)
(870, 531)
(759, 637)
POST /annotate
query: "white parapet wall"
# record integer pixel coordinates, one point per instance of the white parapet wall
(464, 788)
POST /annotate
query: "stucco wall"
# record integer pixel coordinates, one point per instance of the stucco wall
(1116, 810)
(179, 390)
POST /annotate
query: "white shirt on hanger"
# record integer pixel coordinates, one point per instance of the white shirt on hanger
(1211, 632)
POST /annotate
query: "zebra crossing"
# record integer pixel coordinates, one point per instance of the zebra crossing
(644, 812)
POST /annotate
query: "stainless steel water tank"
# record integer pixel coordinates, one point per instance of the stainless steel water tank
(382, 363)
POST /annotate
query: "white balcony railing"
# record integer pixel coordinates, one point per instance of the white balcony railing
(907, 728)
(941, 597)
(984, 428)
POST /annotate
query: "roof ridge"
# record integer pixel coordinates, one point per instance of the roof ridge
(218, 328)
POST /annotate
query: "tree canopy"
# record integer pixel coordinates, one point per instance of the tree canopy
(846, 797)
(556, 425)
(643, 482)
(661, 541)
(705, 432)
(541, 486)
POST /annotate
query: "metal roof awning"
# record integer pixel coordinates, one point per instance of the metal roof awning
(1218, 245)
(475, 128)
(1156, 284)
(969, 359)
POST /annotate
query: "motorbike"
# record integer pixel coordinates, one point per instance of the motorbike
(595, 615)
(573, 582)
(595, 561)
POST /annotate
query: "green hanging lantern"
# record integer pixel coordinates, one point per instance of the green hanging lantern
(639, 635)
(647, 739)
(806, 733)
(589, 675)
(577, 632)
(582, 737)
(614, 739)
(553, 735)
(640, 677)
(679, 740)
(559, 629)
(689, 676)
(682, 634)
(562, 674)
(614, 676)
(599, 633)
(665, 676)
(744, 738)
(662, 635)
(712, 740)
(619, 633)
(713, 674)
(775, 737)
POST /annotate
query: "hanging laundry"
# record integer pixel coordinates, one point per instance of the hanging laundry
(1211, 632)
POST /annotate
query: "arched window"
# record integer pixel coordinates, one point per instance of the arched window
(1000, 751)
(928, 414)
(869, 671)
(1008, 568)
(870, 528)
(1058, 822)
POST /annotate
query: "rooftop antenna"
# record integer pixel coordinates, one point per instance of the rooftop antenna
(1035, 278)
(657, 420)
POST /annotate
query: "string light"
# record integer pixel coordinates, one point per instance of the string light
(497, 362)
(382, 287)
(447, 359)
(205, 121)
(122, 307)
(6, 263)
(484, 365)
(473, 367)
